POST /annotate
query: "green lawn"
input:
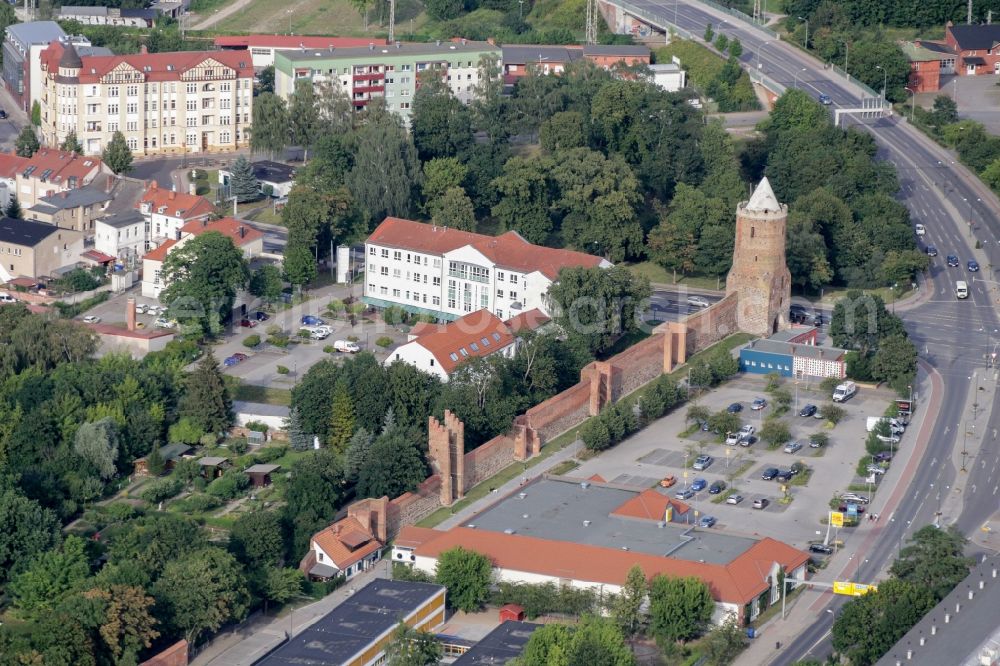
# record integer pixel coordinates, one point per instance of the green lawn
(659, 275)
(263, 394)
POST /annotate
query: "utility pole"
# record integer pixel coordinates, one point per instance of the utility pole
(758, 15)
(392, 21)
(968, 15)
(592, 14)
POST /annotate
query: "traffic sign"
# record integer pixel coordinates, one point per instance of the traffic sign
(836, 519)
(842, 587)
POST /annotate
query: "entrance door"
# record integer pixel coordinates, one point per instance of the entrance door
(996, 68)
(970, 70)
(204, 141)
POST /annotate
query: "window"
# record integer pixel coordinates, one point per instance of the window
(395, 293)
(499, 293)
(513, 295)
(499, 276)
(192, 88)
(453, 356)
(132, 91)
(436, 300)
(371, 251)
(385, 271)
(463, 352)
(500, 314)
(131, 107)
(513, 279)
(383, 290)
(474, 347)
(192, 105)
(436, 281)
(113, 91)
(397, 255)
(224, 137)
(371, 288)
(396, 273)
(385, 253)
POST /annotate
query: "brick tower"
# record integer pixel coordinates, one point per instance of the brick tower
(759, 275)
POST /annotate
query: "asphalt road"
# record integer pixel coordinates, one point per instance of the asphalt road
(952, 335)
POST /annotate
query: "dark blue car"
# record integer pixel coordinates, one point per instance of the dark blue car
(973, 266)
(310, 320)
(698, 484)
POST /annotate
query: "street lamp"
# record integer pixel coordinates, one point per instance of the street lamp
(795, 81)
(847, 52)
(885, 80)
(806, 42)
(520, 10)
(759, 47)
(913, 100)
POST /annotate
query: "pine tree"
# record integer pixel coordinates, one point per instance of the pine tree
(71, 144)
(244, 185)
(297, 437)
(27, 143)
(342, 421)
(206, 399)
(14, 209)
(357, 453)
(117, 155)
(155, 464)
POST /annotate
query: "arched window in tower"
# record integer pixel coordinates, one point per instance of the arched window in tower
(753, 232)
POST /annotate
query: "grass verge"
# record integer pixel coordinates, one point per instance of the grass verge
(262, 394)
(802, 478)
(564, 467)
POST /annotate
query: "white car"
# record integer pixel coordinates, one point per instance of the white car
(92, 319)
(920, 229)
(732, 438)
(698, 302)
(141, 309)
(346, 346)
(875, 469)
(7, 298)
(161, 322)
(747, 430)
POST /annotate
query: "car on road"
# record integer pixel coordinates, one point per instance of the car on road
(668, 481)
(808, 410)
(92, 319)
(825, 100)
(702, 462)
(820, 548)
(973, 266)
(952, 260)
(931, 251)
(162, 322)
(735, 408)
(706, 521)
(3, 114)
(685, 494)
(920, 229)
(260, 315)
(769, 473)
(793, 447)
(699, 484)
(734, 499)
(698, 302)
(312, 320)
(761, 503)
(854, 497)
(716, 487)
(758, 404)
(732, 438)
(248, 323)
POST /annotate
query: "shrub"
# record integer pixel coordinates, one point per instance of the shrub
(820, 438)
(395, 315)
(282, 370)
(185, 432)
(402, 571)
(197, 503)
(609, 427)
(229, 486)
(773, 382)
(829, 384)
(384, 341)
(120, 512)
(274, 329)
(328, 349)
(238, 446)
(335, 306)
(353, 338)
(208, 439)
(266, 454)
(775, 432)
(356, 308)
(251, 341)
(161, 489)
(303, 333)
(257, 426)
(833, 413)
(278, 340)
(661, 396)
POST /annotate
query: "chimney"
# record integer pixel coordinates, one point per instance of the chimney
(243, 231)
(204, 223)
(110, 184)
(152, 185)
(130, 313)
(336, 529)
(172, 195)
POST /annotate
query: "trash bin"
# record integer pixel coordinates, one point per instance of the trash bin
(751, 633)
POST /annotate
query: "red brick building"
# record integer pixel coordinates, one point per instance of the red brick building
(975, 47)
(554, 59)
(925, 67)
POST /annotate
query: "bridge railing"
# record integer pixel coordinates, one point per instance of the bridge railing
(855, 81)
(741, 16)
(659, 20)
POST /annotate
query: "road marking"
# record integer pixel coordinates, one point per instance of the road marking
(973, 487)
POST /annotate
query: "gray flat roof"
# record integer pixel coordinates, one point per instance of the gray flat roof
(522, 54)
(361, 52)
(123, 219)
(788, 334)
(358, 621)
(556, 509)
(969, 630)
(36, 32)
(27, 233)
(500, 645)
(83, 11)
(807, 351)
(241, 407)
(84, 196)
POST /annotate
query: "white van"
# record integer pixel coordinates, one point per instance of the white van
(961, 289)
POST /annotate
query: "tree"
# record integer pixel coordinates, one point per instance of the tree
(312, 497)
(270, 133)
(895, 363)
(490, 107)
(299, 264)
(206, 399)
(303, 116)
(868, 626)
(933, 560)
(266, 284)
(341, 421)
(595, 640)
(71, 143)
(128, 624)
(117, 155)
(805, 254)
(467, 575)
(298, 438)
(27, 142)
(28, 529)
(775, 432)
(698, 413)
(97, 443)
(202, 278)
(722, 421)
(725, 642)
(524, 199)
(265, 80)
(49, 576)
(282, 585)
(709, 33)
(945, 111)
(564, 130)
(36, 114)
(256, 539)
(595, 306)
(679, 608)
(386, 167)
(13, 209)
(200, 591)
(861, 320)
(735, 48)
(440, 175)
(358, 453)
(627, 606)
(395, 465)
(443, 10)
(242, 181)
(412, 647)
(440, 124)
(454, 210)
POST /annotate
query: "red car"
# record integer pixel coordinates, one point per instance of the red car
(247, 323)
(240, 356)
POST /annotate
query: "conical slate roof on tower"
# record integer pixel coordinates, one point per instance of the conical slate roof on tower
(763, 200)
(70, 59)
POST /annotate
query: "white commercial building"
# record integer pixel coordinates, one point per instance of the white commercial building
(447, 273)
(669, 76)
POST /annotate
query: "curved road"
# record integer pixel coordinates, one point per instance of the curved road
(953, 336)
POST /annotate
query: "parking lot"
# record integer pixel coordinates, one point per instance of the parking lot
(659, 451)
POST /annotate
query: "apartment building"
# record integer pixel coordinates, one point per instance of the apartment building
(447, 273)
(262, 48)
(51, 171)
(164, 103)
(35, 249)
(166, 212)
(388, 71)
(22, 42)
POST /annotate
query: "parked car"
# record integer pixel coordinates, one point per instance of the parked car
(785, 475)
(888, 439)
(699, 484)
(883, 456)
(843, 507)
(685, 494)
(820, 548)
(808, 411)
(761, 503)
(758, 404)
(668, 481)
(346, 346)
(140, 308)
(231, 361)
(260, 315)
(854, 498)
(747, 440)
(747, 430)
(973, 266)
(952, 260)
(793, 447)
(818, 319)
(769, 473)
(815, 443)
(702, 462)
(706, 521)
(716, 487)
(92, 319)
(735, 408)
(162, 322)
(311, 320)
(3, 114)
(732, 438)
(932, 251)
(7, 298)
(248, 323)
(734, 499)
(875, 469)
(698, 301)
(240, 356)
(704, 426)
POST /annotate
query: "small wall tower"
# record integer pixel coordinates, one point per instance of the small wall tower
(759, 275)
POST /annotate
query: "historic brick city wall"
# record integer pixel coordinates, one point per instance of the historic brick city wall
(483, 462)
(712, 324)
(560, 412)
(639, 364)
(411, 508)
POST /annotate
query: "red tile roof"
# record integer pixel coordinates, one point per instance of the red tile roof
(239, 232)
(152, 66)
(289, 41)
(160, 253)
(62, 166)
(508, 251)
(11, 165)
(528, 321)
(649, 505)
(738, 582)
(346, 542)
(178, 204)
(466, 333)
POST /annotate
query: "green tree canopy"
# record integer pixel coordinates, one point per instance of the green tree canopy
(413, 647)
(467, 575)
(386, 168)
(244, 184)
(26, 144)
(270, 133)
(440, 124)
(206, 400)
(679, 608)
(50, 576)
(454, 210)
(71, 143)
(117, 155)
(934, 560)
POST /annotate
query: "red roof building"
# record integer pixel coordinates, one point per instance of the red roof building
(50, 171)
(167, 211)
(263, 47)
